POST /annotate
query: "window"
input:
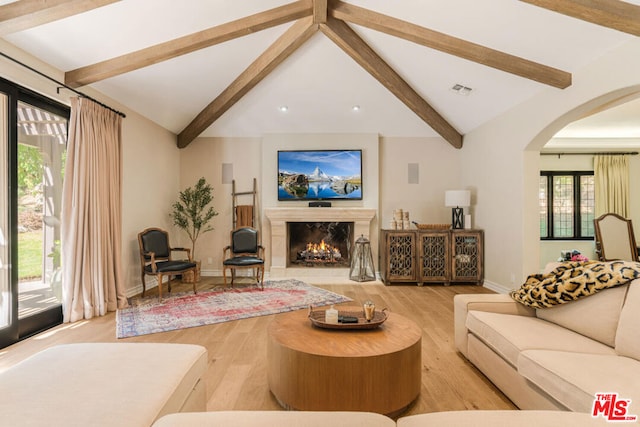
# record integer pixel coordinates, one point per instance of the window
(567, 205)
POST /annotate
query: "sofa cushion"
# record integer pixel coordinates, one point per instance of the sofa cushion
(580, 315)
(628, 334)
(501, 419)
(573, 379)
(275, 419)
(102, 384)
(508, 335)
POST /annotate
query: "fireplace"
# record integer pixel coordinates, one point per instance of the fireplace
(279, 251)
(320, 244)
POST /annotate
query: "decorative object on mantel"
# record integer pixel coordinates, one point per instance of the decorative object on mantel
(355, 319)
(190, 213)
(457, 200)
(362, 269)
(400, 220)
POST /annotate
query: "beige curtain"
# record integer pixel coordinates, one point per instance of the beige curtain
(92, 223)
(611, 176)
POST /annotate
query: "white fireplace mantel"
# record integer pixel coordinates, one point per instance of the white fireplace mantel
(279, 217)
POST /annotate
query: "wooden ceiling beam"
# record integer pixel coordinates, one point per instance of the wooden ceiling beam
(275, 54)
(187, 44)
(450, 45)
(25, 14)
(319, 11)
(615, 14)
(341, 34)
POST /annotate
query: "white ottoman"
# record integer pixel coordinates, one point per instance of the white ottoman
(103, 384)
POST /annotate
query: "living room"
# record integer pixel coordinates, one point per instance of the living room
(499, 161)
(500, 157)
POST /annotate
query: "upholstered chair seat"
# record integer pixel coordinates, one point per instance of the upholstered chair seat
(155, 259)
(244, 251)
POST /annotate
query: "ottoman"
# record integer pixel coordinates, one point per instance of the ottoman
(103, 384)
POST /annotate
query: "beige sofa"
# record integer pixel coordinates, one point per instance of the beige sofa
(103, 384)
(555, 358)
(368, 419)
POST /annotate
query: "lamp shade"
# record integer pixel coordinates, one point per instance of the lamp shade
(457, 198)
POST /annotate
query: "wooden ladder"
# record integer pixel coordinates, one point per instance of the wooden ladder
(235, 196)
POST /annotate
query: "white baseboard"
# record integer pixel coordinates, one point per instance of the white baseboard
(496, 287)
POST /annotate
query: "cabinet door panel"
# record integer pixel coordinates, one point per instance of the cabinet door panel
(401, 264)
(434, 257)
(467, 256)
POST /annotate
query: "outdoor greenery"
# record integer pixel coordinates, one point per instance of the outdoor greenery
(30, 255)
(30, 169)
(191, 212)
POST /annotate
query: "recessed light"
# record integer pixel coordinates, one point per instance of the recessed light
(283, 108)
(356, 108)
(461, 89)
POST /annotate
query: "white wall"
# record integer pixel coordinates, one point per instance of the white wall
(507, 174)
(150, 174)
(204, 157)
(438, 166)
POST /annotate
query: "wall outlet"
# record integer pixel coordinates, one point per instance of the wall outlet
(513, 278)
(209, 260)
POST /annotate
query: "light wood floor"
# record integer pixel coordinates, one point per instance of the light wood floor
(237, 379)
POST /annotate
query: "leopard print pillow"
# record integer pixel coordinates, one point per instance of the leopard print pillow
(573, 280)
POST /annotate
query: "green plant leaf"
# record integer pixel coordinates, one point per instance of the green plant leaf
(191, 212)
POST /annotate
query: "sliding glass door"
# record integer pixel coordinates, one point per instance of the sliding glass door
(33, 169)
(8, 294)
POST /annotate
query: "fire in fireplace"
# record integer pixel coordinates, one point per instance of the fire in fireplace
(320, 244)
(320, 252)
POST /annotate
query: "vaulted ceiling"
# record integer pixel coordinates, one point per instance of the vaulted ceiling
(220, 68)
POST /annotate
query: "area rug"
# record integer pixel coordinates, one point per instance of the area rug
(186, 310)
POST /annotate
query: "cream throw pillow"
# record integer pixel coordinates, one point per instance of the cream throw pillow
(628, 335)
(595, 316)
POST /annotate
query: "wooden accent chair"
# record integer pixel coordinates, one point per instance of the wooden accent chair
(244, 251)
(614, 238)
(155, 258)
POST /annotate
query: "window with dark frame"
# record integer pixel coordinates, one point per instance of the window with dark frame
(567, 205)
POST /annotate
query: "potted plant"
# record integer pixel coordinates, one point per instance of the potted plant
(192, 214)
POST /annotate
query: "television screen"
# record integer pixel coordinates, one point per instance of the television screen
(320, 174)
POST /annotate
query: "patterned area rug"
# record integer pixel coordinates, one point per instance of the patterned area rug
(186, 310)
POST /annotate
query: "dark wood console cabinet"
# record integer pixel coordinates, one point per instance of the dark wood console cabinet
(431, 256)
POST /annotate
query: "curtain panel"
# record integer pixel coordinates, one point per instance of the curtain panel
(92, 218)
(611, 176)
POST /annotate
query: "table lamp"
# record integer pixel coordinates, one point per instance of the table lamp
(457, 199)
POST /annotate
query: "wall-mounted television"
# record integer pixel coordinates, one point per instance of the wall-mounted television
(320, 175)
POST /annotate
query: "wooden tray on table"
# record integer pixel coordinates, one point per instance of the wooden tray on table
(317, 319)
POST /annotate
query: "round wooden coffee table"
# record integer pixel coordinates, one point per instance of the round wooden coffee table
(315, 369)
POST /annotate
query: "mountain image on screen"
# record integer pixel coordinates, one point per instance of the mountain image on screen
(316, 175)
